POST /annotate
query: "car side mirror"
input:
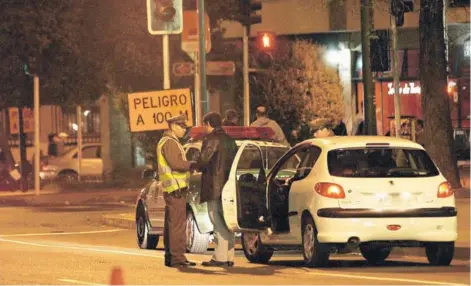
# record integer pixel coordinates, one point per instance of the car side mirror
(148, 174)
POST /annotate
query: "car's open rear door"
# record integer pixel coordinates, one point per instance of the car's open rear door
(244, 195)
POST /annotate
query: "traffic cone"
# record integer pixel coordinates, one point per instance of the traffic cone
(116, 276)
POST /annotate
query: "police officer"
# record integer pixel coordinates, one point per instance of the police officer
(174, 173)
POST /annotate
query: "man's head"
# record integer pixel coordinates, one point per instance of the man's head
(420, 124)
(178, 125)
(211, 121)
(232, 116)
(261, 111)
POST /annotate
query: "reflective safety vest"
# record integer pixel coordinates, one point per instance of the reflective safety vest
(171, 180)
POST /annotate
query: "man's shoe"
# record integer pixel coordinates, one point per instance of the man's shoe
(181, 264)
(230, 263)
(213, 263)
(190, 263)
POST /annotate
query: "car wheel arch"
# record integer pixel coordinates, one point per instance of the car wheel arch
(65, 171)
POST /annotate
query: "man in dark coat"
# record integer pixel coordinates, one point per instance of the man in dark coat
(217, 155)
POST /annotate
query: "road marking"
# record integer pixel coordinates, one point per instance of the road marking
(80, 248)
(155, 255)
(79, 282)
(60, 233)
(428, 282)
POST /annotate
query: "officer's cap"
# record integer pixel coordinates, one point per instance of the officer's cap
(180, 119)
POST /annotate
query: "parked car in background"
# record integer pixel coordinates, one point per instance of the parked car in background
(64, 168)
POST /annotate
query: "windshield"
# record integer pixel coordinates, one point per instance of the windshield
(380, 162)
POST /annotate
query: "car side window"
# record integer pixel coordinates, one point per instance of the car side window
(93, 152)
(289, 166)
(250, 167)
(192, 154)
(307, 163)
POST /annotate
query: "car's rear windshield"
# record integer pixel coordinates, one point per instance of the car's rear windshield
(380, 162)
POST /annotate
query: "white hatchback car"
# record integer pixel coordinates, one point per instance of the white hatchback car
(64, 168)
(342, 192)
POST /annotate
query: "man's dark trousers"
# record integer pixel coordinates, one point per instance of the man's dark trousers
(175, 228)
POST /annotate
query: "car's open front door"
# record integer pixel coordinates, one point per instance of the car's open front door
(244, 198)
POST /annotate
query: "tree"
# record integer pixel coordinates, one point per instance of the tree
(433, 79)
(298, 86)
(46, 37)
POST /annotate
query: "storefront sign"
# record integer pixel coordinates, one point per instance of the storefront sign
(407, 88)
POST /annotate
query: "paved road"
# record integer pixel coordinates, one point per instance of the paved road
(69, 245)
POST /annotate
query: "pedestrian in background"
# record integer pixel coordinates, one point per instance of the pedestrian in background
(264, 121)
(419, 133)
(340, 129)
(231, 119)
(174, 173)
(217, 155)
(321, 127)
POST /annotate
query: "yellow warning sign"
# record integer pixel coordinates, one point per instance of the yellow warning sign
(28, 120)
(149, 111)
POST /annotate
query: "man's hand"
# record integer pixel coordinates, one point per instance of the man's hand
(194, 167)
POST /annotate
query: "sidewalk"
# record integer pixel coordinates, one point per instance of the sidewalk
(53, 197)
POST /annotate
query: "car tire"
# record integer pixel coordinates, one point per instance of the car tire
(315, 254)
(196, 242)
(375, 253)
(440, 253)
(253, 248)
(68, 177)
(144, 239)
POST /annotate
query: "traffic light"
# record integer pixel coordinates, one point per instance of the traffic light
(266, 41)
(399, 7)
(248, 9)
(164, 16)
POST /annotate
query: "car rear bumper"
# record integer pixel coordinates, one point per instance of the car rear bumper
(420, 229)
(373, 213)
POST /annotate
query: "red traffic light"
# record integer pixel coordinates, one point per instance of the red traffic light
(164, 10)
(266, 40)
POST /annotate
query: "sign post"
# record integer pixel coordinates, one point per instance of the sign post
(37, 149)
(79, 141)
(149, 111)
(190, 44)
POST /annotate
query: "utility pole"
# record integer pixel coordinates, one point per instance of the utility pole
(368, 88)
(249, 17)
(202, 58)
(397, 100)
(37, 149)
(246, 77)
(22, 149)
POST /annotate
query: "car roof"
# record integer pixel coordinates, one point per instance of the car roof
(240, 142)
(338, 142)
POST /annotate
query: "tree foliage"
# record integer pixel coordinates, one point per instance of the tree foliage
(48, 36)
(299, 86)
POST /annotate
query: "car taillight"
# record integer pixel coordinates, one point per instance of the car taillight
(444, 190)
(43, 164)
(330, 190)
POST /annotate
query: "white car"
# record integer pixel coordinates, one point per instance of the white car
(370, 192)
(150, 204)
(65, 167)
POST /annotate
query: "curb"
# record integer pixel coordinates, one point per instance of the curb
(121, 221)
